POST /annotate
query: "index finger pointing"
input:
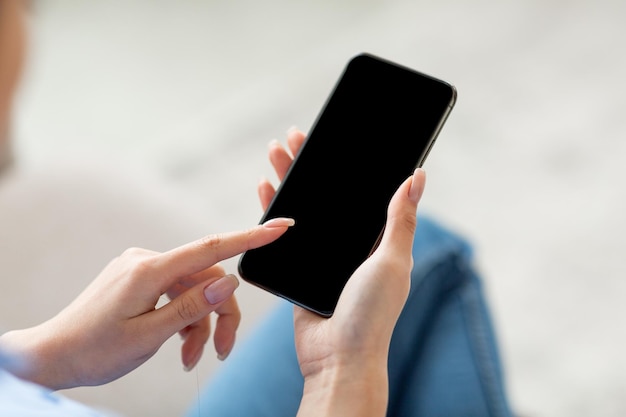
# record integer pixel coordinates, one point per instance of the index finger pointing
(205, 252)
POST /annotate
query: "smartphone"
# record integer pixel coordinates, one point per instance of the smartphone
(378, 124)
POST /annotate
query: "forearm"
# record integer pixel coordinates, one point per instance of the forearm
(360, 390)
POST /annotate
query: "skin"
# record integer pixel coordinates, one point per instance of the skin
(344, 358)
(12, 51)
(117, 323)
(114, 326)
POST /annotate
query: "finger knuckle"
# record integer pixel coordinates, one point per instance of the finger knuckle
(409, 221)
(219, 270)
(139, 259)
(132, 252)
(211, 241)
(143, 267)
(187, 308)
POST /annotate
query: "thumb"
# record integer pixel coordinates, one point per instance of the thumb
(401, 213)
(192, 305)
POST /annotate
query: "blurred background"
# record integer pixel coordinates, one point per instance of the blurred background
(146, 123)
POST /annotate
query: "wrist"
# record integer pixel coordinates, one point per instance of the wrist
(355, 389)
(37, 357)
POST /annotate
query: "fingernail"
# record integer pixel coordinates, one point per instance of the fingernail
(274, 142)
(279, 222)
(417, 185)
(188, 368)
(223, 356)
(221, 289)
(194, 361)
(291, 130)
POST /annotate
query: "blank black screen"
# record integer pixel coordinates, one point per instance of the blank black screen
(374, 130)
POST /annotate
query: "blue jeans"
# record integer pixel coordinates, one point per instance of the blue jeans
(443, 357)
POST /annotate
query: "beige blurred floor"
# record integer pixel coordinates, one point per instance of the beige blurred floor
(145, 124)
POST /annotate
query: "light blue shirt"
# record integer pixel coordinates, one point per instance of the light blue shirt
(19, 398)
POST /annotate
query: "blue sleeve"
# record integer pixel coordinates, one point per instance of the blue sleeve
(20, 398)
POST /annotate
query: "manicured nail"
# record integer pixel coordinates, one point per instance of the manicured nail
(279, 222)
(274, 142)
(221, 289)
(223, 350)
(417, 185)
(223, 356)
(194, 361)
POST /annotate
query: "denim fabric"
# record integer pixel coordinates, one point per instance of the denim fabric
(443, 356)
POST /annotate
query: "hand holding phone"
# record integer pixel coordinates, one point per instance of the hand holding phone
(376, 127)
